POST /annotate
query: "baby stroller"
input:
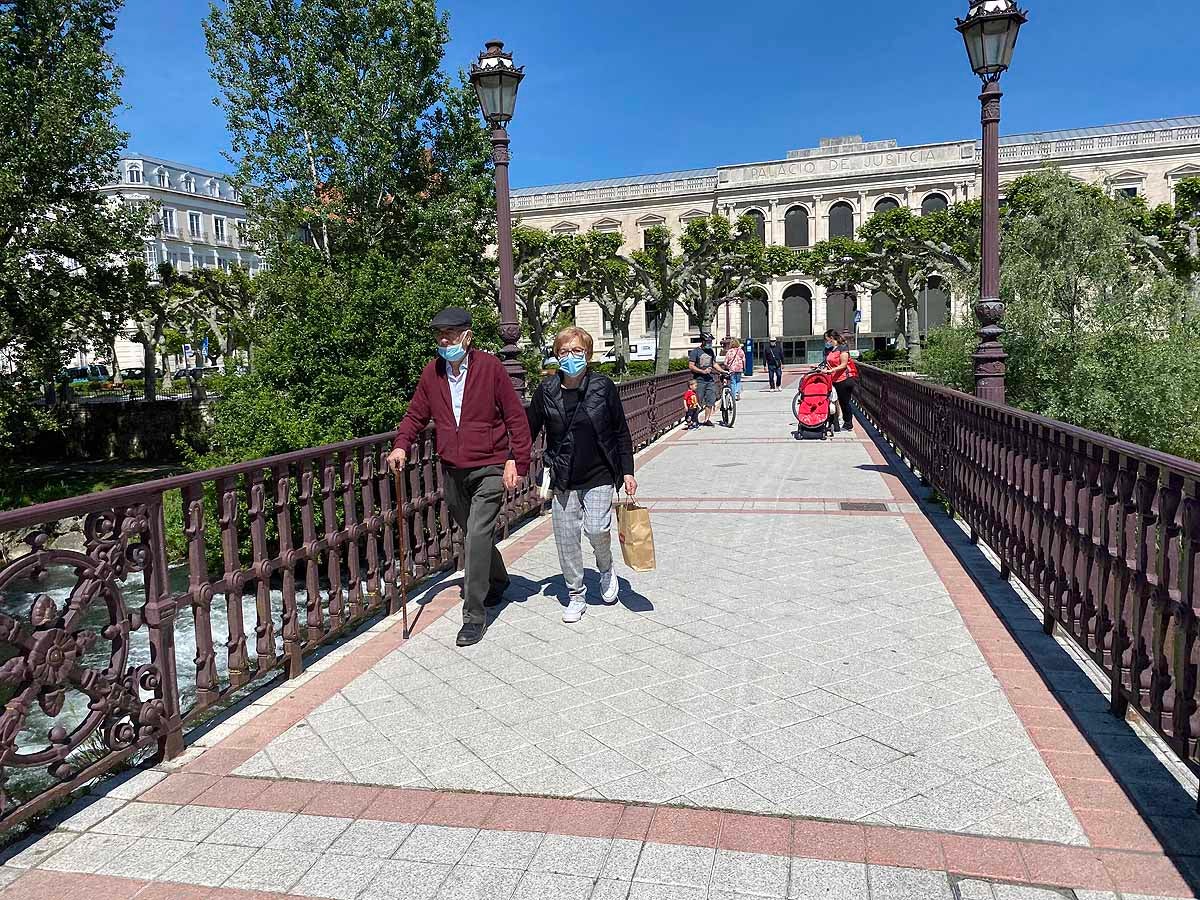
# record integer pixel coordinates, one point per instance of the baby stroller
(815, 406)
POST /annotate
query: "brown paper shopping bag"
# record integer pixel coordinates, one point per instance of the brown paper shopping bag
(636, 536)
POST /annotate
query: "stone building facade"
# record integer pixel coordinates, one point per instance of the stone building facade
(201, 222)
(827, 191)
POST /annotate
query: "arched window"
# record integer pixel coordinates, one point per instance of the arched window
(795, 227)
(933, 306)
(933, 203)
(886, 204)
(214, 188)
(164, 180)
(883, 313)
(841, 221)
(134, 174)
(839, 310)
(760, 224)
(797, 311)
(189, 183)
(756, 315)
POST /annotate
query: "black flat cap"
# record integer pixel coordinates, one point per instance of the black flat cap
(451, 317)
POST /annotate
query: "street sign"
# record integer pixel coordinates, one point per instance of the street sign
(858, 317)
(204, 349)
(187, 350)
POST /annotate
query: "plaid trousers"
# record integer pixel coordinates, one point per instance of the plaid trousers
(574, 515)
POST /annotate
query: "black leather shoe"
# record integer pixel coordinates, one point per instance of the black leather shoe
(471, 633)
(495, 595)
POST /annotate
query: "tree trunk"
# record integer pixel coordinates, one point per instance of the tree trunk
(621, 347)
(117, 380)
(666, 329)
(149, 380)
(168, 379)
(913, 320)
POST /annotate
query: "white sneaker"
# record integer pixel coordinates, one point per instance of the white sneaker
(575, 610)
(610, 586)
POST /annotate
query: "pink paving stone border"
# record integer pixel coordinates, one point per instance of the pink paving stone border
(42, 884)
(254, 736)
(1108, 817)
(1003, 859)
(1124, 856)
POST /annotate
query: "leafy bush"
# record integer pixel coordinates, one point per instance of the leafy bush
(888, 354)
(947, 356)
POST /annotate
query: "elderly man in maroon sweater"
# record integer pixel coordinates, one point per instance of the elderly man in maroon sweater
(483, 441)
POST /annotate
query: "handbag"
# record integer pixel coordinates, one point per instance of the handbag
(636, 536)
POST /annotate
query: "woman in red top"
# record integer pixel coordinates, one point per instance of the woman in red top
(844, 372)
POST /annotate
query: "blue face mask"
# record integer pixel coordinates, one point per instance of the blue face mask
(453, 353)
(572, 364)
(828, 345)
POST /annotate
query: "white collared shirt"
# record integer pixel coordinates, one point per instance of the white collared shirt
(457, 386)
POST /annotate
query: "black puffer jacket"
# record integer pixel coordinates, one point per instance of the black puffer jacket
(602, 405)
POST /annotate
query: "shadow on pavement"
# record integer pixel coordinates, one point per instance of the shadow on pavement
(525, 589)
(1166, 806)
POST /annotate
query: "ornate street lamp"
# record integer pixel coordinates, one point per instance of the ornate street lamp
(990, 33)
(496, 80)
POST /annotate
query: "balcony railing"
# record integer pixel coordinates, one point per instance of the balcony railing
(1105, 533)
(180, 592)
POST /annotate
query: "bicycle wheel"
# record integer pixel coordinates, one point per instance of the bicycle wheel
(796, 407)
(728, 408)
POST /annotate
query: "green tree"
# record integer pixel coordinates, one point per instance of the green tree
(1168, 236)
(539, 263)
(58, 145)
(159, 303)
(344, 127)
(597, 271)
(1092, 324)
(895, 252)
(663, 275)
(322, 373)
(225, 301)
(348, 134)
(726, 261)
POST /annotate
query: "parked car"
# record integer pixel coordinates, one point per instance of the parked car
(646, 348)
(138, 374)
(89, 374)
(197, 372)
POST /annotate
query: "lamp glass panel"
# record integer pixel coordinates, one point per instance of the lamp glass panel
(508, 94)
(973, 37)
(488, 87)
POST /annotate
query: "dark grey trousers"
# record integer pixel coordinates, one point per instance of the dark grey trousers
(475, 497)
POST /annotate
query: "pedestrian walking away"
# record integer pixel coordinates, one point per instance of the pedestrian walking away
(484, 445)
(845, 374)
(735, 363)
(774, 357)
(589, 452)
(702, 362)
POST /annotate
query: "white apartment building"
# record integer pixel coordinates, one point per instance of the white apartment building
(202, 221)
(829, 191)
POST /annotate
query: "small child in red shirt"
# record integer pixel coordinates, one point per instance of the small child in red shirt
(691, 406)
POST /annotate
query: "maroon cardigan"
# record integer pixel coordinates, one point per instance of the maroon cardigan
(494, 427)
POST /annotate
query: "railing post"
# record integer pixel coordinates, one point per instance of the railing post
(159, 613)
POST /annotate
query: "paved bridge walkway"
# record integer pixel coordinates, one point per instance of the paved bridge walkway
(811, 698)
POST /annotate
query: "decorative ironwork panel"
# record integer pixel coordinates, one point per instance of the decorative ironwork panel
(1105, 533)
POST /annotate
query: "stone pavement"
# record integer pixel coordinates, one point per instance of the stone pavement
(809, 698)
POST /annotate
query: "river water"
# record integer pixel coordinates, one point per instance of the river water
(17, 601)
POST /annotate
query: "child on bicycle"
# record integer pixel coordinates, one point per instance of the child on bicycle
(691, 406)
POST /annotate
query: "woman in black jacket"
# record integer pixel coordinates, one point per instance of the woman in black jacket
(589, 452)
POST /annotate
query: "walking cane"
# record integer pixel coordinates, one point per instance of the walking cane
(401, 561)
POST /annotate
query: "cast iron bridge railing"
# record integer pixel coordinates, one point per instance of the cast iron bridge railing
(252, 567)
(1105, 533)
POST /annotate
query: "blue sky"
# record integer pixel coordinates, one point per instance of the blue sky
(625, 87)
